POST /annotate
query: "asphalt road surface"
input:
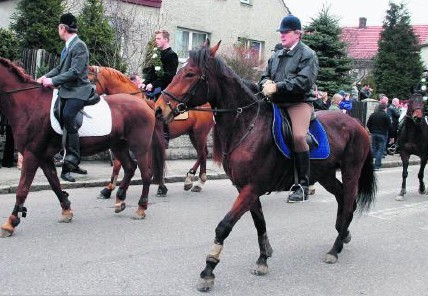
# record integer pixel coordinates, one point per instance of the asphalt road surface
(103, 253)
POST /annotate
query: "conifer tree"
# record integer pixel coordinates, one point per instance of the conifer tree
(36, 24)
(398, 67)
(323, 35)
(9, 45)
(100, 37)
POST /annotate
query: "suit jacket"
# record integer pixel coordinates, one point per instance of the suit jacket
(71, 75)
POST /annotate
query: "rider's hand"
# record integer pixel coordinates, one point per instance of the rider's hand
(40, 80)
(47, 82)
(149, 87)
(269, 88)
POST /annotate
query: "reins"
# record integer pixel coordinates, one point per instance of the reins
(20, 89)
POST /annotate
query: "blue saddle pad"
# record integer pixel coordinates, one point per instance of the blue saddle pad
(322, 151)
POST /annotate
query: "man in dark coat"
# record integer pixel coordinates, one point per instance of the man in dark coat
(71, 78)
(379, 125)
(289, 82)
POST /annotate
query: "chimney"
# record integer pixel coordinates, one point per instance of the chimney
(363, 23)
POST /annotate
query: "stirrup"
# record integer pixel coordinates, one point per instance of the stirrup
(297, 187)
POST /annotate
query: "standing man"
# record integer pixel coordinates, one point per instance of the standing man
(159, 76)
(289, 82)
(378, 125)
(71, 77)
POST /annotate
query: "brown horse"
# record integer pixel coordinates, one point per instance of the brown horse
(27, 107)
(197, 126)
(413, 139)
(244, 143)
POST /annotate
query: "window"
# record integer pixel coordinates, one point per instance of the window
(254, 47)
(186, 40)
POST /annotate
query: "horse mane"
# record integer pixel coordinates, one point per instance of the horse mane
(116, 73)
(19, 71)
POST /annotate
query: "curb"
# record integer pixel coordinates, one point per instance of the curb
(98, 183)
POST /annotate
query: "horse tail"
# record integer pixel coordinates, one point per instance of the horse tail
(217, 153)
(367, 185)
(158, 152)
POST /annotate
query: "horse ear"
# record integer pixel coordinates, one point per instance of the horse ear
(207, 42)
(214, 49)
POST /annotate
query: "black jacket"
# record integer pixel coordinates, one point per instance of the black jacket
(379, 123)
(294, 73)
(169, 61)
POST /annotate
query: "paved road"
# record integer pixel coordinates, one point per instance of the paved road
(102, 253)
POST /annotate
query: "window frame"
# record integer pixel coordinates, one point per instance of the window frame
(182, 57)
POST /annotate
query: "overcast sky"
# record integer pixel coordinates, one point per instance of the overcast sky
(349, 11)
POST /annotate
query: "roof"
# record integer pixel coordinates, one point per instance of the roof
(363, 42)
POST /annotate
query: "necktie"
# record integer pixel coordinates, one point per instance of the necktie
(63, 53)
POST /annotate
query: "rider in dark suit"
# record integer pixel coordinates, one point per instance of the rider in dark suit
(71, 78)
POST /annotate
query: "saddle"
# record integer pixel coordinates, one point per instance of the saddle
(317, 140)
(94, 98)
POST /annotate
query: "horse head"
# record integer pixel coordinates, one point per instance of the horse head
(193, 85)
(416, 107)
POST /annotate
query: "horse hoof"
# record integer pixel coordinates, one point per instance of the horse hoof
(347, 238)
(330, 259)
(187, 187)
(205, 285)
(261, 269)
(422, 191)
(162, 191)
(6, 233)
(105, 194)
(139, 215)
(197, 188)
(311, 190)
(399, 198)
(66, 216)
(119, 207)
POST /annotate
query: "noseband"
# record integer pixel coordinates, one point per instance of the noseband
(182, 106)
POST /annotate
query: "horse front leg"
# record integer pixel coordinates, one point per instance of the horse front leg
(244, 202)
(264, 245)
(200, 143)
(405, 161)
(106, 192)
(50, 172)
(28, 171)
(422, 189)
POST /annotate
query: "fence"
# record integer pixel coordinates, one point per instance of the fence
(34, 59)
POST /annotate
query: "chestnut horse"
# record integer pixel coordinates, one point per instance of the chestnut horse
(243, 142)
(413, 139)
(197, 126)
(26, 104)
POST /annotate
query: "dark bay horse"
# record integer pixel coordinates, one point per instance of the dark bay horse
(27, 107)
(413, 139)
(243, 142)
(197, 126)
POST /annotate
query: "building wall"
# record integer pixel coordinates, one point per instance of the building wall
(6, 9)
(424, 55)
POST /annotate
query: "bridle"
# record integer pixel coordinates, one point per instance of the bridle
(95, 80)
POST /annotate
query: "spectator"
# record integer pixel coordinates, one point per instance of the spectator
(354, 92)
(366, 92)
(394, 114)
(335, 101)
(378, 125)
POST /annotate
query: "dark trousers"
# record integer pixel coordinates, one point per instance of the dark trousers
(378, 147)
(71, 108)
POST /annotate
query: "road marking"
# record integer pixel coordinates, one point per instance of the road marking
(401, 212)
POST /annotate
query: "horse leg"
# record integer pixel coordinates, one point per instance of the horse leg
(244, 202)
(264, 245)
(129, 169)
(422, 189)
(28, 171)
(146, 177)
(50, 172)
(405, 161)
(199, 141)
(106, 192)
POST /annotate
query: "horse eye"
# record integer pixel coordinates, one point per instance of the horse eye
(190, 75)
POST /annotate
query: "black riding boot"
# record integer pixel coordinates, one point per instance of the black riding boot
(300, 192)
(72, 157)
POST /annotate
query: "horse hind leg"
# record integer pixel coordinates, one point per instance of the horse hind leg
(106, 192)
(405, 173)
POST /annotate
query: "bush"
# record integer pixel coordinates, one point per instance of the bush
(9, 45)
(243, 61)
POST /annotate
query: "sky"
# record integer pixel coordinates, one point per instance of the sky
(349, 11)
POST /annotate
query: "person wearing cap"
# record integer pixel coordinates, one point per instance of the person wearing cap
(289, 81)
(74, 89)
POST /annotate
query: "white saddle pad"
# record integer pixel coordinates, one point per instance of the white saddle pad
(98, 124)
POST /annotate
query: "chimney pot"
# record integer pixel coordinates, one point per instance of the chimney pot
(363, 23)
